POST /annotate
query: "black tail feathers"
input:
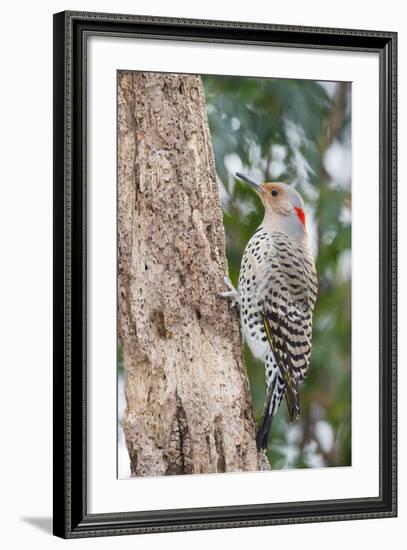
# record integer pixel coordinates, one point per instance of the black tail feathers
(264, 430)
(266, 421)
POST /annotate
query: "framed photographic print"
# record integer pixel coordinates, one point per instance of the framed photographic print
(224, 274)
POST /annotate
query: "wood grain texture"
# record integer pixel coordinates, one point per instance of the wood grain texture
(188, 400)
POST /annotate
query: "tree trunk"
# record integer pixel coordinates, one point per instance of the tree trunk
(188, 400)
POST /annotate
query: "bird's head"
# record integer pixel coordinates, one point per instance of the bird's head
(283, 207)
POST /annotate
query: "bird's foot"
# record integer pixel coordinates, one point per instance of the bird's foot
(232, 294)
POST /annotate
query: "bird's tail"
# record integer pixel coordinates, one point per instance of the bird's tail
(264, 430)
(293, 403)
(266, 420)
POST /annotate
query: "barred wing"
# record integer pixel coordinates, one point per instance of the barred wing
(288, 300)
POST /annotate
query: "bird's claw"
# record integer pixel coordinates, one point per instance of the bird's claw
(232, 294)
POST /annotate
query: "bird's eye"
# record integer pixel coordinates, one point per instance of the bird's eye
(274, 192)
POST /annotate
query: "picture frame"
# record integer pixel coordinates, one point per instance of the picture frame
(71, 511)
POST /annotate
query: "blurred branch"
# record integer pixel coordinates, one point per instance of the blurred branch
(337, 114)
(334, 122)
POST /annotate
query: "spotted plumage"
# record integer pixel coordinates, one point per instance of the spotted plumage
(276, 294)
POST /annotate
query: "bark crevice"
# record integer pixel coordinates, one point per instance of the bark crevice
(179, 457)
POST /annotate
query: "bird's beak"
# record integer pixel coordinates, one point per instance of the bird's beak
(252, 183)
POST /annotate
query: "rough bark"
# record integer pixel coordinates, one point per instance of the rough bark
(188, 401)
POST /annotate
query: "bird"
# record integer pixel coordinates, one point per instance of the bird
(276, 295)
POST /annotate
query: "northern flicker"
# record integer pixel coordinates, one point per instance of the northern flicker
(276, 296)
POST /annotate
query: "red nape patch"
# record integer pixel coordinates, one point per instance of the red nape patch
(300, 214)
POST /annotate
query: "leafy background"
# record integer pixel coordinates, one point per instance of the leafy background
(296, 131)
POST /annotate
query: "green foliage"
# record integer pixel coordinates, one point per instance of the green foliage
(295, 131)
